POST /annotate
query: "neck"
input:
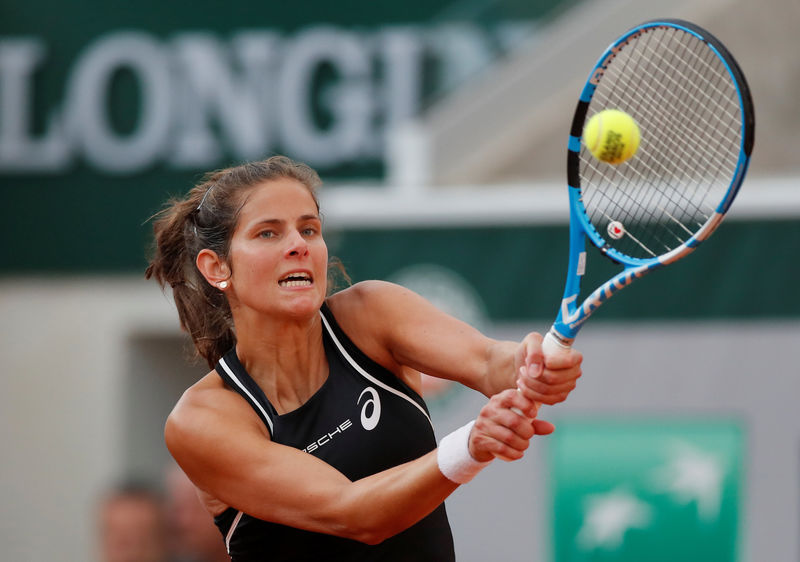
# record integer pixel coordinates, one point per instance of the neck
(286, 358)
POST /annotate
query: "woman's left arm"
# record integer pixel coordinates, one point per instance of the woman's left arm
(398, 328)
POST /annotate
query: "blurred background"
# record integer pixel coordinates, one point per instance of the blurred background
(439, 127)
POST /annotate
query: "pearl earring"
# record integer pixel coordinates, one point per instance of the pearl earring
(222, 285)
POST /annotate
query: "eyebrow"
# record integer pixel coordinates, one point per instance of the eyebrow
(301, 218)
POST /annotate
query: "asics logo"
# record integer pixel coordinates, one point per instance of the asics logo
(371, 409)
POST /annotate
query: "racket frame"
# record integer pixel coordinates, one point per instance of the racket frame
(572, 314)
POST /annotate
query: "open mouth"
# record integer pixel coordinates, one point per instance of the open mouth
(297, 279)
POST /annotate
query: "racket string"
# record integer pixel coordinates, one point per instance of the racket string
(648, 100)
(640, 68)
(721, 174)
(686, 106)
(687, 109)
(623, 93)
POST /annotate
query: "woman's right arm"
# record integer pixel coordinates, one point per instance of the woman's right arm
(225, 450)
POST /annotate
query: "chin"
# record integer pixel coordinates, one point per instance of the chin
(302, 306)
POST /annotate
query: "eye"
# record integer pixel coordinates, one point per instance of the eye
(267, 234)
(309, 231)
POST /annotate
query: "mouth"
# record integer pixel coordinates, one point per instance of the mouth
(296, 279)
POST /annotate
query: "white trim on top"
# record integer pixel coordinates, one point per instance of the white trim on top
(244, 389)
(231, 530)
(366, 375)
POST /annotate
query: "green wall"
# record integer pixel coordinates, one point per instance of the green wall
(746, 270)
(108, 108)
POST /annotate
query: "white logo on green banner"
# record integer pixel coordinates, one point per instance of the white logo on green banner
(646, 490)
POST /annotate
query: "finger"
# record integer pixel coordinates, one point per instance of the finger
(516, 437)
(533, 410)
(560, 361)
(516, 417)
(499, 441)
(549, 379)
(548, 394)
(543, 427)
(511, 410)
(505, 445)
(558, 376)
(509, 446)
(521, 404)
(508, 453)
(533, 351)
(507, 450)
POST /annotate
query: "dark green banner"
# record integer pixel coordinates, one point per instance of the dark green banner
(647, 489)
(744, 271)
(107, 107)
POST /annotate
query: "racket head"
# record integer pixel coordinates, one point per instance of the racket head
(695, 114)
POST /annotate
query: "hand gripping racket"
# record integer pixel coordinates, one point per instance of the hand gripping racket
(696, 121)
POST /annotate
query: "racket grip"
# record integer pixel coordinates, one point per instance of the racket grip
(552, 345)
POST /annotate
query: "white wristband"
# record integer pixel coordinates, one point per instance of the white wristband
(454, 459)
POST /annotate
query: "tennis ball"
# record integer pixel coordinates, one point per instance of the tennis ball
(612, 136)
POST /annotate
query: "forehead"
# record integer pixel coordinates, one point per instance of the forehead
(278, 197)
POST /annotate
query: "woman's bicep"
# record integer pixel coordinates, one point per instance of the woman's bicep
(414, 333)
(231, 459)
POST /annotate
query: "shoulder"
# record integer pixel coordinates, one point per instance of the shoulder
(378, 308)
(205, 410)
(371, 296)
(373, 288)
(369, 312)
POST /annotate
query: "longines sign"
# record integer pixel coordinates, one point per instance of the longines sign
(325, 94)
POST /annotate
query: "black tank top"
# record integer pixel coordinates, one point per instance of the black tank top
(361, 421)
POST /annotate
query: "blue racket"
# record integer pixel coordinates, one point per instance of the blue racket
(695, 115)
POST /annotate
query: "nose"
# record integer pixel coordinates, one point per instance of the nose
(297, 246)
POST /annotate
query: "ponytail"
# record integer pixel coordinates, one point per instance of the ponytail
(203, 310)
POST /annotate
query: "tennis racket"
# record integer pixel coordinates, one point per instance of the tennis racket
(696, 121)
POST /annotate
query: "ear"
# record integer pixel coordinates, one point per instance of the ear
(212, 267)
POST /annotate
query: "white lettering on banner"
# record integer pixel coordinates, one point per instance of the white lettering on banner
(209, 89)
(19, 59)
(203, 98)
(88, 120)
(399, 95)
(349, 101)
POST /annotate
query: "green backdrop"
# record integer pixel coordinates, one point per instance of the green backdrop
(82, 87)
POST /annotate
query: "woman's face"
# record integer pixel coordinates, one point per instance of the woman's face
(278, 257)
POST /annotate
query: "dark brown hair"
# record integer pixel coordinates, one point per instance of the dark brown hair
(206, 218)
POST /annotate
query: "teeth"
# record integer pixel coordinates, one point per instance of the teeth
(296, 280)
(295, 283)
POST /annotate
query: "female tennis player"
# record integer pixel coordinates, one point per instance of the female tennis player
(309, 439)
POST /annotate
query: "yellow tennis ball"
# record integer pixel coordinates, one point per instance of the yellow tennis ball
(612, 136)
